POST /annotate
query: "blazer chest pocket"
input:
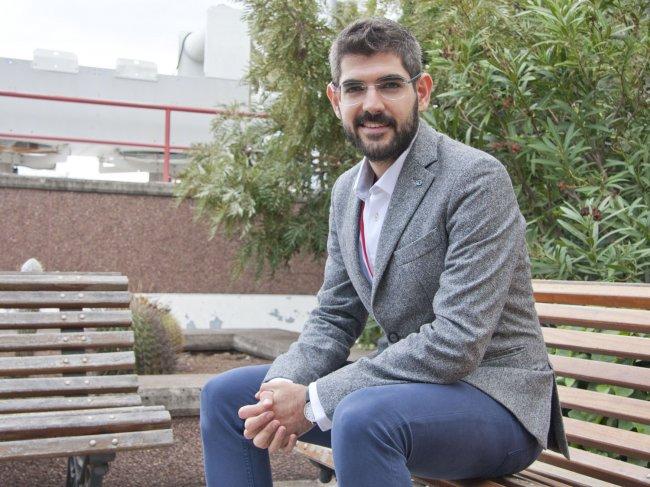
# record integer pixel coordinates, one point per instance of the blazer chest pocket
(418, 248)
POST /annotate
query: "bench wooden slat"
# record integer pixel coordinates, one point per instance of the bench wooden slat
(67, 386)
(323, 455)
(616, 295)
(54, 364)
(44, 281)
(602, 372)
(510, 481)
(81, 411)
(534, 478)
(75, 423)
(637, 320)
(598, 466)
(601, 343)
(65, 299)
(565, 476)
(66, 319)
(80, 445)
(52, 341)
(616, 440)
(607, 405)
(67, 403)
(64, 364)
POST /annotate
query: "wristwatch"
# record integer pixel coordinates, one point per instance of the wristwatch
(308, 412)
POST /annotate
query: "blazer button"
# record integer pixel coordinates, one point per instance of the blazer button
(393, 337)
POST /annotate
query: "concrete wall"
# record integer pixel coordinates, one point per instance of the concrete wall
(132, 228)
(226, 311)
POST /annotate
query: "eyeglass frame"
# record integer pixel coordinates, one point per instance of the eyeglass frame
(337, 88)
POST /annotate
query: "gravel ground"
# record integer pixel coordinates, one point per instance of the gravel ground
(178, 466)
(209, 363)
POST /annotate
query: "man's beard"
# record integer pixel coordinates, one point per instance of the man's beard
(395, 146)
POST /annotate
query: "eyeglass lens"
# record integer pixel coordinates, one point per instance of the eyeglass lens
(354, 93)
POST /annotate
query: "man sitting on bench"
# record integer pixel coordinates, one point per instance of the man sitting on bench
(425, 234)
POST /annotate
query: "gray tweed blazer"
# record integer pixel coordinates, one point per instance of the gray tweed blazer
(452, 291)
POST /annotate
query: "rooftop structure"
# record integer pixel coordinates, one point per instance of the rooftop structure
(127, 117)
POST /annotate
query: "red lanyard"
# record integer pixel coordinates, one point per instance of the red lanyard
(363, 240)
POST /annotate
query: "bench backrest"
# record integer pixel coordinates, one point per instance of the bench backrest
(65, 366)
(597, 334)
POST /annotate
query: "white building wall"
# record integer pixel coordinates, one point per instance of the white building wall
(24, 116)
(223, 311)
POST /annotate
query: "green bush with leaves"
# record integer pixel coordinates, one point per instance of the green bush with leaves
(555, 89)
(558, 91)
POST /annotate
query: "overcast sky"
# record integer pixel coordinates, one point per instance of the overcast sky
(100, 31)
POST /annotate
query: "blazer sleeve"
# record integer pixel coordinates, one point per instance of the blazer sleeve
(485, 233)
(332, 327)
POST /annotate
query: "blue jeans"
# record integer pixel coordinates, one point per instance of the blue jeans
(380, 435)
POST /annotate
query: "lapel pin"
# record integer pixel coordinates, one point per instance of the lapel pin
(417, 182)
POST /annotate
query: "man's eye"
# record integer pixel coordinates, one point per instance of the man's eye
(353, 88)
(390, 85)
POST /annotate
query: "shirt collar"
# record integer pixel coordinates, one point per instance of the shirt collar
(365, 177)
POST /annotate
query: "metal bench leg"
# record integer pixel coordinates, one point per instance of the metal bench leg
(325, 474)
(89, 470)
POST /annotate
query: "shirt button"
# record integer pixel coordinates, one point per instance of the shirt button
(376, 217)
(393, 337)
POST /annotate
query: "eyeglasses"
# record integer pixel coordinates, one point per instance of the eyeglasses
(392, 89)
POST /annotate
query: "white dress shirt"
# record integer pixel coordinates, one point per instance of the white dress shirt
(376, 197)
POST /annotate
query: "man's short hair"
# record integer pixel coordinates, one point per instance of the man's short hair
(372, 36)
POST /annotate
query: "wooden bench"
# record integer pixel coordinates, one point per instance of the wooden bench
(61, 393)
(599, 307)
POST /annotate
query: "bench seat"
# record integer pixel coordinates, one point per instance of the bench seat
(66, 373)
(606, 360)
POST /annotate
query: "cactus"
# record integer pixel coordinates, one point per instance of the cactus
(156, 342)
(174, 330)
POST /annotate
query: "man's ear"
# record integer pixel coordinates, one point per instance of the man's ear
(334, 100)
(423, 88)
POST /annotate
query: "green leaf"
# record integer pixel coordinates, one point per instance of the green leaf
(622, 391)
(602, 388)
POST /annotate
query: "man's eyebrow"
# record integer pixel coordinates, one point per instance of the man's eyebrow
(351, 81)
(386, 77)
(391, 77)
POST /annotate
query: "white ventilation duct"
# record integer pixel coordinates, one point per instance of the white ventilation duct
(219, 50)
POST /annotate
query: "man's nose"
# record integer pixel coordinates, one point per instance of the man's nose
(373, 102)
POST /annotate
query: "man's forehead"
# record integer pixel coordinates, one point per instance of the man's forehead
(360, 67)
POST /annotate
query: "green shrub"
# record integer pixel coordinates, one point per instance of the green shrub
(370, 335)
(556, 90)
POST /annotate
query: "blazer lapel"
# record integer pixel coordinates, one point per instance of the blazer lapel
(412, 184)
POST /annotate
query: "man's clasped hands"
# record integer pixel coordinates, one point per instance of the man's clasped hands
(278, 419)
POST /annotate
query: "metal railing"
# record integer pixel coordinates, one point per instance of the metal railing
(168, 109)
